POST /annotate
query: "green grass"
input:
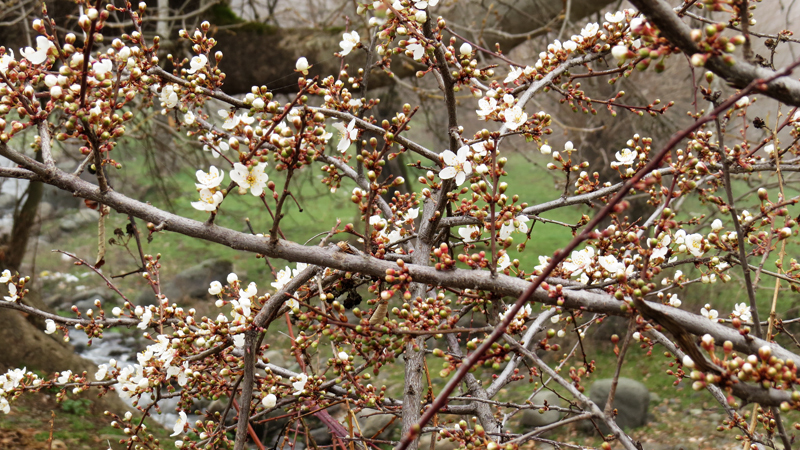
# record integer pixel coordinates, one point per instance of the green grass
(321, 209)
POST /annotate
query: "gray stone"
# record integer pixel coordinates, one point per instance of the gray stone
(631, 401)
(7, 201)
(322, 436)
(79, 219)
(192, 283)
(60, 199)
(533, 418)
(46, 211)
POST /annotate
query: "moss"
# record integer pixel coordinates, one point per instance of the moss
(258, 27)
(221, 14)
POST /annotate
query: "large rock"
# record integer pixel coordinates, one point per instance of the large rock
(79, 219)
(192, 283)
(631, 401)
(532, 418)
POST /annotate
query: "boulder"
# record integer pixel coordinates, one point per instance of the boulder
(79, 219)
(192, 283)
(631, 401)
(532, 418)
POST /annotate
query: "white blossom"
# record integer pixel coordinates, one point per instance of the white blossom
(590, 30)
(209, 201)
(515, 73)
(487, 106)
(610, 263)
(12, 293)
(626, 156)
(64, 377)
(673, 300)
(145, 319)
(467, 232)
(458, 165)
(50, 326)
(269, 401)
(619, 52)
(716, 225)
(349, 42)
(38, 56)
(346, 134)
(416, 49)
(579, 261)
(520, 317)
(5, 60)
(215, 288)
(742, 102)
(210, 179)
(742, 311)
(300, 384)
(102, 371)
(465, 49)
(302, 65)
(544, 261)
(197, 63)
(254, 179)
(180, 423)
(709, 313)
(515, 117)
(101, 68)
(695, 244)
(168, 97)
(616, 17)
(503, 262)
(282, 277)
(518, 224)
(6, 276)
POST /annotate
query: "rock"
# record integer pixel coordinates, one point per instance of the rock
(45, 211)
(7, 201)
(532, 418)
(80, 219)
(322, 436)
(631, 401)
(192, 283)
(60, 199)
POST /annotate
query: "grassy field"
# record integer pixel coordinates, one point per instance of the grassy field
(321, 209)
